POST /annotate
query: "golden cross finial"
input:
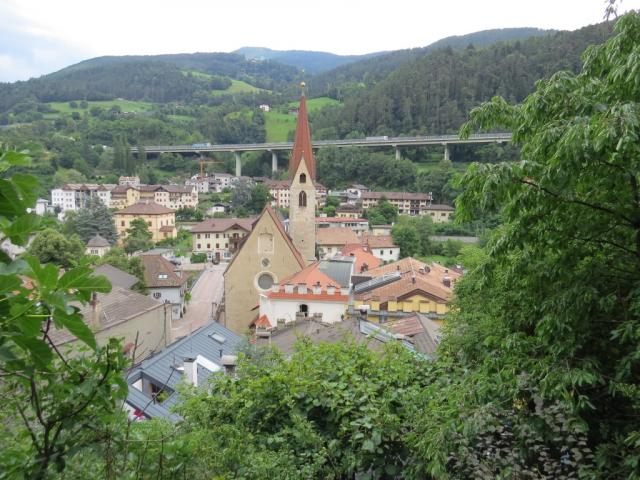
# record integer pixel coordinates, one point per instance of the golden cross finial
(302, 86)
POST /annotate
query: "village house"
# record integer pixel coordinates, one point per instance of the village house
(164, 282)
(97, 246)
(220, 238)
(124, 314)
(124, 196)
(407, 203)
(129, 181)
(170, 196)
(153, 384)
(377, 230)
(332, 240)
(281, 195)
(405, 287)
(307, 293)
(219, 208)
(359, 226)
(161, 220)
(348, 210)
(382, 247)
(364, 259)
(439, 213)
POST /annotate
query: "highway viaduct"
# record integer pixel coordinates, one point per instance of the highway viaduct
(383, 141)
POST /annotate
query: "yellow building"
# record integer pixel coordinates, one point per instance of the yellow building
(123, 196)
(161, 220)
(406, 286)
(439, 213)
(220, 238)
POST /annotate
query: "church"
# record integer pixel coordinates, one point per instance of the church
(268, 254)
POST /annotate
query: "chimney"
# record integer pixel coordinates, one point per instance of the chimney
(191, 371)
(446, 281)
(96, 311)
(229, 363)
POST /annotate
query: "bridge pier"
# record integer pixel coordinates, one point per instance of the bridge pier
(398, 156)
(274, 162)
(447, 154)
(238, 164)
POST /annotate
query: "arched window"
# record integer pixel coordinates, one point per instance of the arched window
(303, 178)
(302, 199)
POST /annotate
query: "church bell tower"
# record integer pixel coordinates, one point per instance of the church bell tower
(302, 200)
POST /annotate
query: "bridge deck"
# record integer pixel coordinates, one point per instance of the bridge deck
(359, 142)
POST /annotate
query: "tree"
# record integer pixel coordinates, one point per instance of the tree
(138, 238)
(260, 196)
(94, 219)
(51, 246)
(64, 176)
(406, 237)
(55, 401)
(240, 195)
(546, 329)
(384, 213)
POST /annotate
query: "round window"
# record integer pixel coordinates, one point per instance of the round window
(265, 262)
(265, 281)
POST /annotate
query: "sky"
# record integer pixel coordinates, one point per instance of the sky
(42, 36)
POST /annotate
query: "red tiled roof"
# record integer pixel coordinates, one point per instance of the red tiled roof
(302, 143)
(223, 224)
(150, 208)
(167, 228)
(337, 297)
(395, 196)
(263, 322)
(340, 219)
(310, 275)
(363, 257)
(379, 241)
(335, 236)
(156, 265)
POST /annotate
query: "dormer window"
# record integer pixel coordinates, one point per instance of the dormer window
(163, 276)
(303, 178)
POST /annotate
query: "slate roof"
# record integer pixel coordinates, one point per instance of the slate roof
(212, 341)
(339, 269)
(116, 307)
(143, 208)
(157, 265)
(436, 206)
(219, 225)
(420, 330)
(97, 241)
(117, 277)
(335, 236)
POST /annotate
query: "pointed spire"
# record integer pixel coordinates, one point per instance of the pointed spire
(302, 142)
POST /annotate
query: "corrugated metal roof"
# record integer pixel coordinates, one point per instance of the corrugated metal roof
(160, 368)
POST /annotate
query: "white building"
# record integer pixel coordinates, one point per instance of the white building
(382, 247)
(308, 293)
(74, 196)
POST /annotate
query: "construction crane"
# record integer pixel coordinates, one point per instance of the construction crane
(203, 161)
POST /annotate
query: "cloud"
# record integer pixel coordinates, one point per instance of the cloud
(29, 50)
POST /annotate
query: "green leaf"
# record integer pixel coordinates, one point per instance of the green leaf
(27, 186)
(76, 325)
(10, 204)
(83, 282)
(9, 283)
(46, 276)
(368, 446)
(21, 229)
(39, 350)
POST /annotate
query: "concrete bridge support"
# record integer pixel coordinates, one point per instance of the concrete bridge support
(398, 156)
(274, 162)
(238, 164)
(447, 154)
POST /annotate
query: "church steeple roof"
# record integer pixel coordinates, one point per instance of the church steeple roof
(302, 143)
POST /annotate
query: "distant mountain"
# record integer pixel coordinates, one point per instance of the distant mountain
(156, 78)
(309, 61)
(371, 70)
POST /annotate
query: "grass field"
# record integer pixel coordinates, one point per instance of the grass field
(125, 105)
(278, 124)
(237, 86)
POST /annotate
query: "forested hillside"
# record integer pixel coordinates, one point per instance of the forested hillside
(433, 94)
(159, 78)
(340, 81)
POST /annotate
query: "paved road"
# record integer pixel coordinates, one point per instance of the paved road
(209, 289)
